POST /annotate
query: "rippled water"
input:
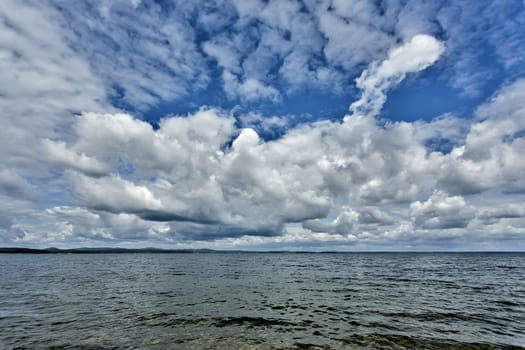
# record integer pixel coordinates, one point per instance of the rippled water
(262, 301)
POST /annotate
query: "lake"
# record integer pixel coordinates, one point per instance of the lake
(263, 301)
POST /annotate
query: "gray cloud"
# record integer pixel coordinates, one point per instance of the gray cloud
(441, 211)
(14, 186)
(491, 216)
(374, 215)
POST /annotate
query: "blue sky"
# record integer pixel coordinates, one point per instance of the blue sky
(338, 125)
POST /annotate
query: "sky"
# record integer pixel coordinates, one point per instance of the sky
(263, 125)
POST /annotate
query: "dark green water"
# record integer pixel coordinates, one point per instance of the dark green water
(262, 301)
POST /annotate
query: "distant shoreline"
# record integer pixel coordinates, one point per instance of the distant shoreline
(107, 250)
(17, 250)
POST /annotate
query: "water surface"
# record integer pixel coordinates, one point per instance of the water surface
(262, 301)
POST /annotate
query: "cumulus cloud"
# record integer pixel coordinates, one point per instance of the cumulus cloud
(58, 153)
(512, 211)
(345, 223)
(441, 211)
(374, 215)
(105, 226)
(230, 177)
(114, 194)
(64, 226)
(491, 155)
(352, 223)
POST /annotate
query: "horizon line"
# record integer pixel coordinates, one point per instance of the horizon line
(153, 250)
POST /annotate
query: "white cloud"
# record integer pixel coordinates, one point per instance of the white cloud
(252, 90)
(492, 154)
(58, 153)
(64, 226)
(488, 26)
(351, 42)
(252, 185)
(114, 194)
(227, 57)
(142, 54)
(441, 211)
(42, 82)
(417, 54)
